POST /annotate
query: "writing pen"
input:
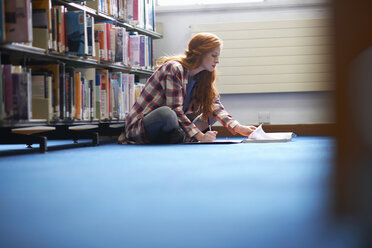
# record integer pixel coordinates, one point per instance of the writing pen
(209, 125)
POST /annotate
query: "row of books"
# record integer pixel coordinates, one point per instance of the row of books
(140, 13)
(59, 92)
(18, 13)
(54, 28)
(115, 44)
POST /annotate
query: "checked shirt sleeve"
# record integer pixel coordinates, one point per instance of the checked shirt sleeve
(223, 117)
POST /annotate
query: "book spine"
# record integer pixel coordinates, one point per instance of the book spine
(77, 32)
(68, 96)
(97, 105)
(62, 91)
(2, 21)
(78, 95)
(28, 78)
(18, 20)
(119, 45)
(8, 90)
(134, 50)
(142, 51)
(1, 93)
(103, 97)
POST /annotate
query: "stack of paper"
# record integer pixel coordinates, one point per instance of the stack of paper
(259, 135)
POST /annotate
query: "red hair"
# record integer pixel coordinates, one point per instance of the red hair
(205, 92)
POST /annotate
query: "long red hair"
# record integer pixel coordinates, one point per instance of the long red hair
(205, 92)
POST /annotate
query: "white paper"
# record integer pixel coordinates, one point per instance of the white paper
(260, 135)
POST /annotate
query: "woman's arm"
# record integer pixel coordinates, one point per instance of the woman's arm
(230, 123)
(244, 130)
(206, 137)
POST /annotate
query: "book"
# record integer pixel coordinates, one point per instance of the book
(24, 95)
(18, 20)
(42, 107)
(42, 6)
(104, 94)
(70, 92)
(102, 37)
(62, 91)
(16, 93)
(107, 39)
(259, 135)
(7, 91)
(131, 90)
(112, 43)
(97, 97)
(90, 38)
(142, 52)
(135, 50)
(115, 78)
(40, 28)
(2, 21)
(122, 10)
(97, 5)
(120, 45)
(76, 28)
(78, 96)
(61, 28)
(89, 75)
(53, 69)
(1, 93)
(125, 85)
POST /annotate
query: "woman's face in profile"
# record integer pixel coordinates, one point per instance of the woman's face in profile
(211, 59)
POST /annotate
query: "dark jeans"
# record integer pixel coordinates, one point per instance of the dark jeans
(162, 127)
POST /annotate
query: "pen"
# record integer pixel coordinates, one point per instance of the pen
(209, 125)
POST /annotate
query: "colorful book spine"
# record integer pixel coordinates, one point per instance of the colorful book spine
(77, 32)
(134, 50)
(78, 95)
(97, 105)
(142, 51)
(115, 94)
(90, 34)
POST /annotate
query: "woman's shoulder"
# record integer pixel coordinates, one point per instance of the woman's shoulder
(173, 65)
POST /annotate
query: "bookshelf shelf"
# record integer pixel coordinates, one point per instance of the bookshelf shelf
(75, 6)
(17, 47)
(70, 105)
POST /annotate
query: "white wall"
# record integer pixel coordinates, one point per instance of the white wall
(284, 108)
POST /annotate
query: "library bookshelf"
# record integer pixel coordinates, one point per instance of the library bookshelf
(72, 69)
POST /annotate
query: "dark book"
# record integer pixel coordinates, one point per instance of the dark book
(76, 23)
(62, 91)
(2, 21)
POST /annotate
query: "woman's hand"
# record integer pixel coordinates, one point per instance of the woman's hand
(244, 130)
(206, 137)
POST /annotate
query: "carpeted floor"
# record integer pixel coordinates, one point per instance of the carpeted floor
(207, 196)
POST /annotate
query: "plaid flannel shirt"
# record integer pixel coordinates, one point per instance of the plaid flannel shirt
(167, 87)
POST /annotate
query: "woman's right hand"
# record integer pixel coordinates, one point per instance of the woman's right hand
(209, 136)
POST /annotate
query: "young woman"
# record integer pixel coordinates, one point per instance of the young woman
(179, 101)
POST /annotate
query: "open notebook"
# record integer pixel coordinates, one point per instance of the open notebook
(257, 136)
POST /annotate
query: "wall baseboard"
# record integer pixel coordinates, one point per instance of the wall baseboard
(318, 129)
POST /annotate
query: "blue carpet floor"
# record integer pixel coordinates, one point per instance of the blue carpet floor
(208, 196)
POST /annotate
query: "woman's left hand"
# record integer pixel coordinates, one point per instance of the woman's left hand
(244, 130)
